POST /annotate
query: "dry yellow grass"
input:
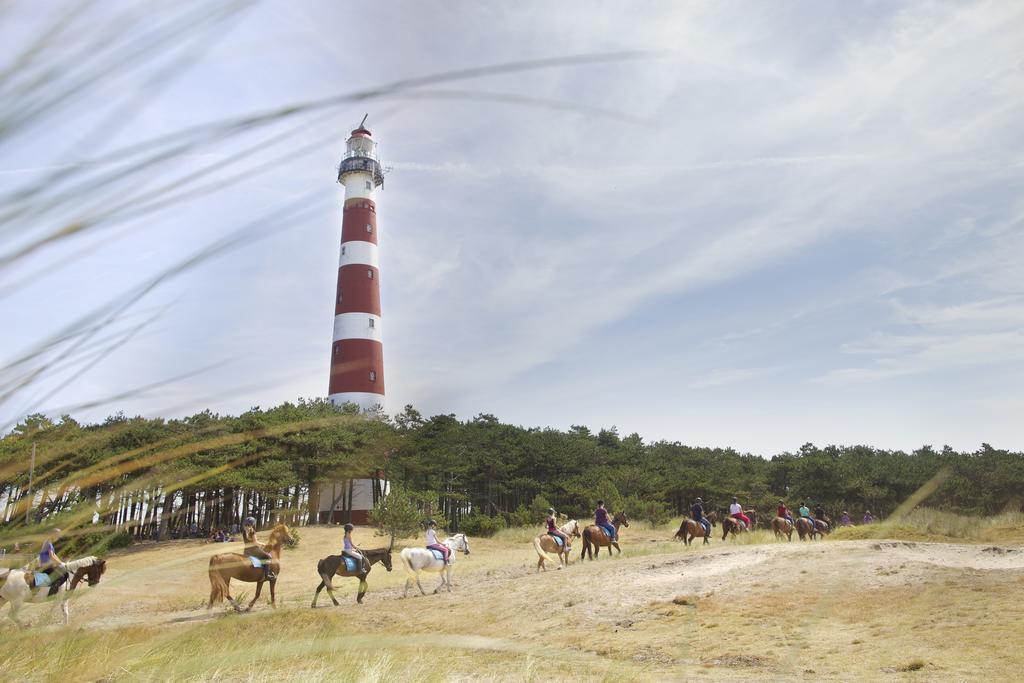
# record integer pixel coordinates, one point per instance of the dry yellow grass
(755, 609)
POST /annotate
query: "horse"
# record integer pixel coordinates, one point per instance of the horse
(596, 538)
(782, 527)
(545, 544)
(732, 525)
(334, 565)
(17, 586)
(418, 560)
(822, 527)
(690, 529)
(227, 566)
(805, 527)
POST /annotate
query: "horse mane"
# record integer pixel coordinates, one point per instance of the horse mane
(75, 565)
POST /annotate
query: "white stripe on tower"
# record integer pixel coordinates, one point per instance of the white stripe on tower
(357, 354)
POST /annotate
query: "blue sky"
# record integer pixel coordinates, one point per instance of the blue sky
(809, 227)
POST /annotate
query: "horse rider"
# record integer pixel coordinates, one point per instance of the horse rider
(736, 512)
(805, 513)
(254, 549)
(350, 550)
(601, 520)
(868, 519)
(697, 512)
(434, 544)
(845, 519)
(553, 530)
(49, 563)
(819, 514)
(784, 512)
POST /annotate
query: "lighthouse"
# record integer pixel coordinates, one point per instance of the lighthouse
(357, 354)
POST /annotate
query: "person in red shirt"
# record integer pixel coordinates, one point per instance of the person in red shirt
(783, 512)
(553, 530)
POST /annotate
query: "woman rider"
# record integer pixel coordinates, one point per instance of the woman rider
(736, 512)
(49, 563)
(553, 530)
(783, 512)
(805, 513)
(254, 549)
(601, 520)
(434, 544)
(350, 550)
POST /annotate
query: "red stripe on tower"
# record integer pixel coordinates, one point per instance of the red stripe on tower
(357, 355)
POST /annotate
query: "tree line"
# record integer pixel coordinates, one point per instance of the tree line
(151, 477)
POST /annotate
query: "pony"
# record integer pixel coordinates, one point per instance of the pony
(17, 586)
(227, 566)
(596, 538)
(418, 560)
(334, 565)
(690, 529)
(805, 528)
(545, 544)
(733, 526)
(782, 527)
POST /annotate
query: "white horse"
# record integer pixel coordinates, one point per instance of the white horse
(571, 529)
(15, 585)
(418, 560)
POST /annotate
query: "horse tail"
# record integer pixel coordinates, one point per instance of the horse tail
(540, 550)
(218, 586)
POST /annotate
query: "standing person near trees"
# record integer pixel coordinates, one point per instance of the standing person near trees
(844, 520)
(868, 519)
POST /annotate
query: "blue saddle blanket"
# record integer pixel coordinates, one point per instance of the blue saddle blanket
(42, 580)
(350, 564)
(438, 555)
(558, 540)
(256, 562)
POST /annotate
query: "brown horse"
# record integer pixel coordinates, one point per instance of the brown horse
(334, 565)
(227, 566)
(690, 529)
(821, 527)
(805, 528)
(782, 527)
(732, 526)
(594, 536)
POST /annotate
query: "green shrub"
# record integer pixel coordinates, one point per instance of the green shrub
(481, 525)
(93, 543)
(520, 517)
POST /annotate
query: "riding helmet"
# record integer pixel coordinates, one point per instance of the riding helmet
(250, 521)
(349, 527)
(431, 523)
(551, 511)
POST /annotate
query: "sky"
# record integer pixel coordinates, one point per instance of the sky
(767, 224)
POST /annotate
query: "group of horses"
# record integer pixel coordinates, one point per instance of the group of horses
(593, 538)
(227, 566)
(806, 527)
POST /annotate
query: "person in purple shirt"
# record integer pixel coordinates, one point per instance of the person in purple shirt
(601, 520)
(48, 560)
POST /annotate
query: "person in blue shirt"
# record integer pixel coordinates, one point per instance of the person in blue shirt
(48, 559)
(697, 512)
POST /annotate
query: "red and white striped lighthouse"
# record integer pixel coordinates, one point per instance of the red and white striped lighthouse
(357, 355)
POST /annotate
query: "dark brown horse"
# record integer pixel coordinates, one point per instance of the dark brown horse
(805, 527)
(782, 527)
(733, 526)
(690, 529)
(596, 538)
(227, 566)
(334, 565)
(822, 527)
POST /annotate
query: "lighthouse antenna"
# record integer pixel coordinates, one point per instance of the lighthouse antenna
(363, 122)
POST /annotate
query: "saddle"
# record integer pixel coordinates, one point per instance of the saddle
(558, 540)
(438, 555)
(256, 562)
(350, 564)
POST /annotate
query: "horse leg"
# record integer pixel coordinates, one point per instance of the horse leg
(362, 588)
(259, 588)
(408, 582)
(448, 577)
(616, 544)
(317, 594)
(273, 594)
(419, 585)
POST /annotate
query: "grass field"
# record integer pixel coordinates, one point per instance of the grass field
(755, 609)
